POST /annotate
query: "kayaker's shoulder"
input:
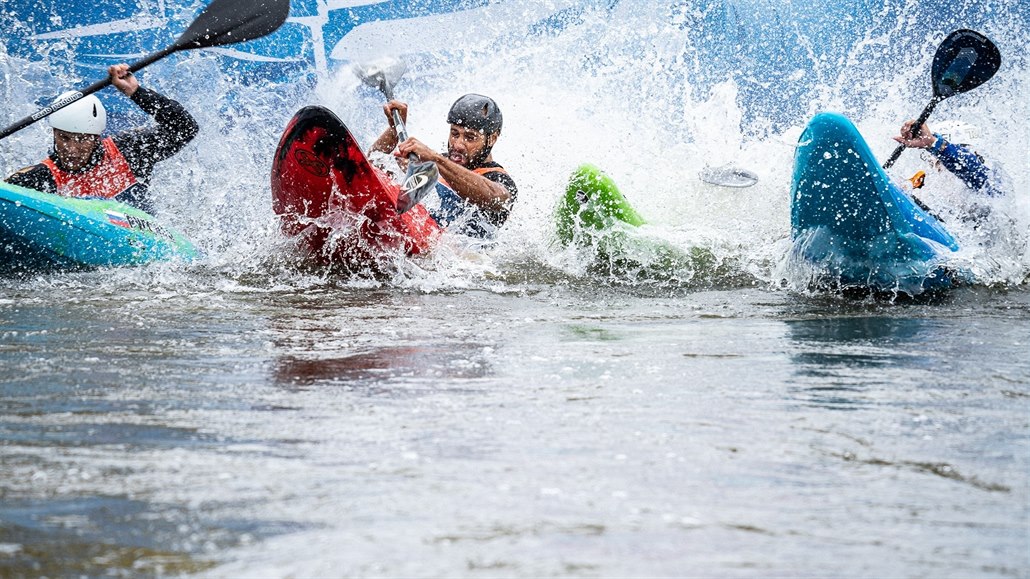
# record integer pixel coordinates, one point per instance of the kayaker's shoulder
(36, 177)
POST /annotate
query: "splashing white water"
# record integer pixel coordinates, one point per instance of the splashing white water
(652, 93)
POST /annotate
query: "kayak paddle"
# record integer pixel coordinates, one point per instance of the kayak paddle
(422, 176)
(965, 60)
(222, 22)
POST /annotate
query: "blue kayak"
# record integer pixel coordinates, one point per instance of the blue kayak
(854, 226)
(43, 232)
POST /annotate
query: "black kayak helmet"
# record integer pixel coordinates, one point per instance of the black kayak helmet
(477, 112)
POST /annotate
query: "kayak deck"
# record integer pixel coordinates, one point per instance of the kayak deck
(339, 209)
(853, 226)
(42, 231)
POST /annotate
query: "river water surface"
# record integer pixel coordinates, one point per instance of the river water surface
(159, 423)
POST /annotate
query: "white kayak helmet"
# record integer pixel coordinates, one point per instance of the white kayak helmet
(958, 132)
(86, 115)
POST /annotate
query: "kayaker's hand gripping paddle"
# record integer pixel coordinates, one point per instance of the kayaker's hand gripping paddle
(221, 22)
(422, 176)
(965, 60)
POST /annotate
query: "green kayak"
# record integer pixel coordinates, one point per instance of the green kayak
(594, 216)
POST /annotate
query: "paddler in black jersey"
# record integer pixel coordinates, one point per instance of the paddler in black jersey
(476, 193)
(83, 164)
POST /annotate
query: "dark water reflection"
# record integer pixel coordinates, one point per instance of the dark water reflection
(379, 366)
(837, 359)
(349, 339)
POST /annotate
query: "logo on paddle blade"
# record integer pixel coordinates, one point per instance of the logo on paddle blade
(416, 182)
(311, 163)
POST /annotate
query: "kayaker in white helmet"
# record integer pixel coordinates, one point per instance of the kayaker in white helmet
(83, 163)
(476, 194)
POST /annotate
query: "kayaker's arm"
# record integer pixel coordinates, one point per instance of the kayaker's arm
(959, 160)
(474, 188)
(36, 177)
(964, 164)
(387, 141)
(145, 147)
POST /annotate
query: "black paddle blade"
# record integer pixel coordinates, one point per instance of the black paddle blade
(965, 60)
(231, 21)
(419, 182)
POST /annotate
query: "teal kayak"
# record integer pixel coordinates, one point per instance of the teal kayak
(43, 232)
(854, 227)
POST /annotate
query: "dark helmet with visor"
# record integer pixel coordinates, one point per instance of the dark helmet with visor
(476, 112)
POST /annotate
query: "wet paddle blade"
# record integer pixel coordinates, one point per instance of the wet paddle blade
(419, 182)
(965, 60)
(728, 176)
(231, 21)
(382, 74)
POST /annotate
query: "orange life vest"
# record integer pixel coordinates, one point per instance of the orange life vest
(108, 178)
(479, 171)
(485, 170)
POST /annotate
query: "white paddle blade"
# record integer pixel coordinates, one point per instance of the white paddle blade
(728, 176)
(419, 182)
(383, 73)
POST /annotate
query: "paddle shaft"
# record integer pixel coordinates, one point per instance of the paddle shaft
(915, 130)
(964, 60)
(398, 124)
(422, 177)
(43, 113)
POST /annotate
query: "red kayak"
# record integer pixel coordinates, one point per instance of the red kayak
(341, 210)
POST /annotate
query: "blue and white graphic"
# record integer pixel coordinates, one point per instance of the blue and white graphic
(86, 37)
(767, 47)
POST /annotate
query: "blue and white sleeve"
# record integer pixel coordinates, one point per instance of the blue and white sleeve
(968, 166)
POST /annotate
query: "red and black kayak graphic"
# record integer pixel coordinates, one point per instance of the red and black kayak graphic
(341, 209)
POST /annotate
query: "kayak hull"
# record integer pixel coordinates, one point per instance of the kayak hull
(340, 209)
(594, 216)
(852, 227)
(592, 203)
(42, 231)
